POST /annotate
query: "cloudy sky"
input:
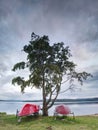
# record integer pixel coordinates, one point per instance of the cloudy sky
(74, 22)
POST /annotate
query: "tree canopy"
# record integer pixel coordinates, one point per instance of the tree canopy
(47, 64)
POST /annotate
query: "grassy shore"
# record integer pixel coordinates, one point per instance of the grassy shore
(9, 122)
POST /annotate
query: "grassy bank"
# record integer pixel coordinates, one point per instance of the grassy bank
(9, 122)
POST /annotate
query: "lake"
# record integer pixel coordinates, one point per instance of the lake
(10, 107)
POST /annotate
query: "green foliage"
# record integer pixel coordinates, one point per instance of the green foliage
(80, 76)
(20, 65)
(21, 82)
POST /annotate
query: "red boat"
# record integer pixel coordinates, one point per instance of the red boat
(27, 110)
(63, 110)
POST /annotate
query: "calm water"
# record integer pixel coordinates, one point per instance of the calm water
(78, 109)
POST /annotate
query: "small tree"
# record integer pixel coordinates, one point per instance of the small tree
(48, 64)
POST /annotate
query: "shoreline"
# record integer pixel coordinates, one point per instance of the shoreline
(88, 115)
(96, 114)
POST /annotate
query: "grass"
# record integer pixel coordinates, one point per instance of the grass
(9, 122)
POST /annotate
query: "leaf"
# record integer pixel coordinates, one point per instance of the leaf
(20, 65)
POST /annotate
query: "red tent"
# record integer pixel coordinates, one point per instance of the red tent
(28, 109)
(62, 109)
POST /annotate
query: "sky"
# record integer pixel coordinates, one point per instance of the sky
(74, 22)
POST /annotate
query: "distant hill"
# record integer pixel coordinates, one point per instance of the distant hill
(78, 101)
(64, 101)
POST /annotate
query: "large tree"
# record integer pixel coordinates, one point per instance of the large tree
(48, 65)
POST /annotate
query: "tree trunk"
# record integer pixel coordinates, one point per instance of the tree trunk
(45, 109)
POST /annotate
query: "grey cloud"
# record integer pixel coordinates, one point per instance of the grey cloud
(76, 17)
(4, 63)
(5, 80)
(18, 18)
(64, 18)
(92, 82)
(95, 77)
(3, 69)
(19, 96)
(70, 8)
